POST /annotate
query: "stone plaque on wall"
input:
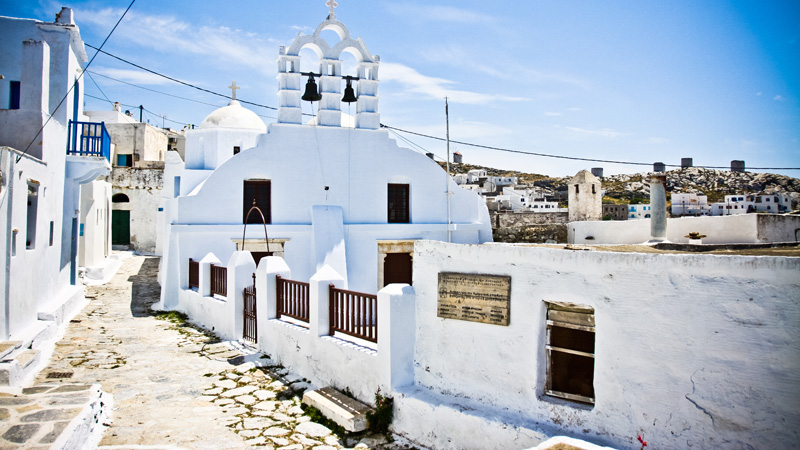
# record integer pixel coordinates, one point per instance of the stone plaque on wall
(474, 297)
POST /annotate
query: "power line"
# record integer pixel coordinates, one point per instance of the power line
(72, 86)
(487, 147)
(177, 80)
(573, 158)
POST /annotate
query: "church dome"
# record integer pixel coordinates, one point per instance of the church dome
(234, 116)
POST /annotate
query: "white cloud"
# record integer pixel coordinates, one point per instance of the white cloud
(778, 98)
(603, 132)
(439, 13)
(131, 76)
(553, 114)
(758, 94)
(657, 140)
(170, 35)
(436, 88)
(574, 109)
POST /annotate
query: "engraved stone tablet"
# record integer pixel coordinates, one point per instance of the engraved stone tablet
(474, 297)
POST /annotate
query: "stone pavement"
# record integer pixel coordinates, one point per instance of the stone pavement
(175, 386)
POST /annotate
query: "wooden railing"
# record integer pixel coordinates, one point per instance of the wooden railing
(88, 139)
(353, 313)
(219, 280)
(292, 298)
(194, 274)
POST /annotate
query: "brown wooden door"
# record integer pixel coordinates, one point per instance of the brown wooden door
(397, 268)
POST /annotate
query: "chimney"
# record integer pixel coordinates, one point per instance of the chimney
(686, 163)
(737, 166)
(659, 167)
(65, 16)
(597, 171)
(658, 208)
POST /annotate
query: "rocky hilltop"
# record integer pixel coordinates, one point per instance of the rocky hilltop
(634, 188)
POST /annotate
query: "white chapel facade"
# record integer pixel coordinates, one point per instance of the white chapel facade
(343, 196)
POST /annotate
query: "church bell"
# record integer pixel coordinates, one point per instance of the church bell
(312, 93)
(349, 93)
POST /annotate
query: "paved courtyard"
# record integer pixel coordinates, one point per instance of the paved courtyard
(174, 386)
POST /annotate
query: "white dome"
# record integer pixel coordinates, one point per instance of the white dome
(234, 116)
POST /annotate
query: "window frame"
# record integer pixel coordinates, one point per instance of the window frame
(247, 201)
(404, 210)
(574, 317)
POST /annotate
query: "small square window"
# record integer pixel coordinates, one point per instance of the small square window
(570, 352)
(236, 149)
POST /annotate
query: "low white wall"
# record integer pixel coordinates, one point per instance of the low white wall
(691, 350)
(738, 229)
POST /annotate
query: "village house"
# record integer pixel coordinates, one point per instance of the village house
(136, 178)
(56, 213)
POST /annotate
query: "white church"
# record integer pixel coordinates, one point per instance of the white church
(333, 189)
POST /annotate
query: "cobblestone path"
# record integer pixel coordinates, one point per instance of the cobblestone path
(176, 386)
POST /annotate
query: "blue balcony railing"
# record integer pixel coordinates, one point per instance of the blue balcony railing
(88, 139)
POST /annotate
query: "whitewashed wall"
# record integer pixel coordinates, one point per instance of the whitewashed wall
(691, 351)
(143, 187)
(95, 217)
(737, 229)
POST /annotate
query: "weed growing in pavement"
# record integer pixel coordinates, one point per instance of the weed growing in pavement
(171, 316)
(379, 420)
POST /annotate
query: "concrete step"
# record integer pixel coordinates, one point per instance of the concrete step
(17, 366)
(6, 347)
(347, 412)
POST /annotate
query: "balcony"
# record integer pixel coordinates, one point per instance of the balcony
(88, 139)
(88, 151)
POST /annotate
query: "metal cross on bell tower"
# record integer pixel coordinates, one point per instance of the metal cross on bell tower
(331, 4)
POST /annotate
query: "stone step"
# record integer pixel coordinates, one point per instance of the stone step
(18, 366)
(347, 412)
(6, 347)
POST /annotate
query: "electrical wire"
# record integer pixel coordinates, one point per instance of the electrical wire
(179, 81)
(486, 147)
(573, 158)
(72, 86)
(99, 89)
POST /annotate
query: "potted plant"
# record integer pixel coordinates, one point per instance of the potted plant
(695, 237)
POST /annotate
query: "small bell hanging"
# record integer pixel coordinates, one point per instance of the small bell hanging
(312, 93)
(349, 93)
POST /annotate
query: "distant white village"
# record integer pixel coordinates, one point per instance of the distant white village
(363, 265)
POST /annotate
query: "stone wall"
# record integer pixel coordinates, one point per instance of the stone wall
(538, 234)
(530, 227)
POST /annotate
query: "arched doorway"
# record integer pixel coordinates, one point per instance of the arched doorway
(120, 220)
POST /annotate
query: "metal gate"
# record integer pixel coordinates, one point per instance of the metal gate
(250, 329)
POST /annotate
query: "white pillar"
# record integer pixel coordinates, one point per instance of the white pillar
(204, 275)
(35, 77)
(241, 268)
(658, 208)
(319, 313)
(396, 335)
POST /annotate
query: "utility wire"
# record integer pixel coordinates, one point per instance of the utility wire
(487, 147)
(99, 89)
(179, 81)
(573, 158)
(72, 86)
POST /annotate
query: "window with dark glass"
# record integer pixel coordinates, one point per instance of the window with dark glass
(257, 193)
(236, 149)
(14, 95)
(398, 203)
(570, 352)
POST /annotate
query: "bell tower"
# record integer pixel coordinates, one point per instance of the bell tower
(328, 76)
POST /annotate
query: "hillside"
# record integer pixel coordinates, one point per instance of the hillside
(633, 188)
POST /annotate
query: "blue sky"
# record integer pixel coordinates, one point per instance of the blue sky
(627, 80)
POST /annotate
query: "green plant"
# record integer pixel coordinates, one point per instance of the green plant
(695, 235)
(379, 420)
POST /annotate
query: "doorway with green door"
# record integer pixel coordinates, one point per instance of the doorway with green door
(120, 220)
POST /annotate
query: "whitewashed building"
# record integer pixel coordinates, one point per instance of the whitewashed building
(344, 197)
(733, 205)
(527, 200)
(639, 211)
(137, 177)
(690, 204)
(55, 213)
